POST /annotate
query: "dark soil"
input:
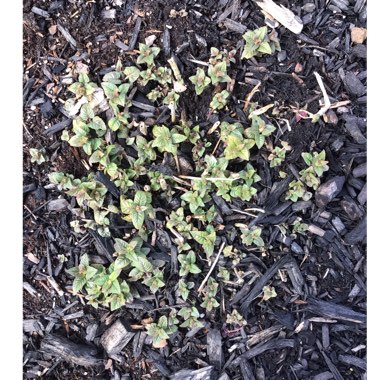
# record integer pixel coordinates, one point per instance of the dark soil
(321, 342)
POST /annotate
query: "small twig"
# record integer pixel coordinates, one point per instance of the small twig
(177, 235)
(216, 146)
(208, 178)
(212, 268)
(175, 69)
(198, 62)
(244, 213)
(250, 95)
(326, 99)
(255, 209)
(182, 182)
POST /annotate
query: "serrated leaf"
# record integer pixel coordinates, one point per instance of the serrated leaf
(117, 301)
(78, 284)
(91, 272)
(138, 219)
(141, 198)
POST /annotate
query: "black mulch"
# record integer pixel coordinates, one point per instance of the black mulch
(316, 327)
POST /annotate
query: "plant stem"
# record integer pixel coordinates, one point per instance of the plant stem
(212, 268)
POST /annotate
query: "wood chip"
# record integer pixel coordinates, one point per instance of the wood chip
(71, 352)
(358, 35)
(115, 338)
(69, 38)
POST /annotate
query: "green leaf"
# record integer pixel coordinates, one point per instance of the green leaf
(86, 112)
(110, 90)
(78, 141)
(265, 48)
(117, 301)
(112, 77)
(91, 272)
(163, 140)
(194, 269)
(132, 73)
(83, 78)
(114, 124)
(141, 198)
(96, 157)
(238, 147)
(138, 219)
(177, 138)
(78, 284)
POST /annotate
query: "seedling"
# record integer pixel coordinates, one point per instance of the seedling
(83, 87)
(37, 155)
(188, 264)
(210, 291)
(259, 130)
(162, 330)
(167, 140)
(297, 190)
(184, 289)
(258, 43)
(269, 292)
(147, 54)
(277, 156)
(235, 319)
(316, 161)
(137, 210)
(252, 236)
(218, 73)
(206, 239)
(190, 315)
(219, 100)
(200, 81)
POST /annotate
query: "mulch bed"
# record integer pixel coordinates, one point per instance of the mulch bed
(316, 326)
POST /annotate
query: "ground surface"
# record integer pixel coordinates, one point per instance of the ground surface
(315, 330)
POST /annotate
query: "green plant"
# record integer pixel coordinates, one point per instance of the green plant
(184, 288)
(103, 286)
(219, 100)
(166, 140)
(147, 54)
(162, 330)
(218, 73)
(309, 176)
(206, 239)
(258, 42)
(200, 81)
(299, 227)
(37, 155)
(252, 236)
(259, 130)
(138, 209)
(188, 264)
(235, 319)
(83, 87)
(157, 182)
(277, 156)
(209, 300)
(269, 292)
(190, 315)
(297, 190)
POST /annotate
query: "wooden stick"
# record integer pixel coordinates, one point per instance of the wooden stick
(212, 268)
(283, 15)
